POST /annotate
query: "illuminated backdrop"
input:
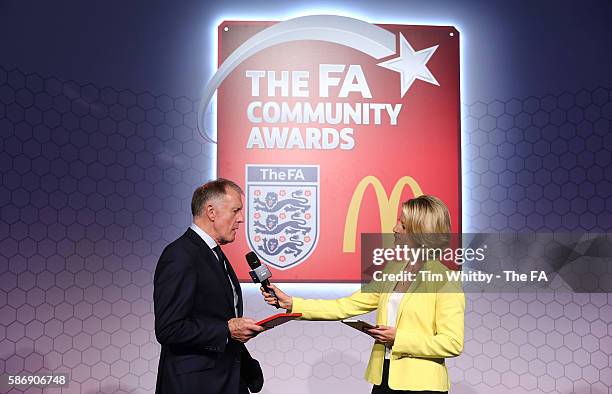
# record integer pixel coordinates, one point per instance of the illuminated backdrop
(97, 177)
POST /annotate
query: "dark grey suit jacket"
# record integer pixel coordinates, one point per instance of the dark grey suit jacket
(193, 300)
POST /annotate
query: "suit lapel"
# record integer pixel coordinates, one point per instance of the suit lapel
(210, 259)
(388, 289)
(411, 290)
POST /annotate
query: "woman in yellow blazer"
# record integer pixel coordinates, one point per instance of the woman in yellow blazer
(418, 326)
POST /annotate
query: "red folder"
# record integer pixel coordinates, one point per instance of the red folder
(277, 320)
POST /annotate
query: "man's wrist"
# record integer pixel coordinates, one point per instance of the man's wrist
(229, 330)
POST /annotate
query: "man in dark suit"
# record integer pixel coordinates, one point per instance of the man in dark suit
(198, 303)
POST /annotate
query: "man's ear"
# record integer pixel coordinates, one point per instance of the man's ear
(209, 211)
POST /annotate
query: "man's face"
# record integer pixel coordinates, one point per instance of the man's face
(228, 216)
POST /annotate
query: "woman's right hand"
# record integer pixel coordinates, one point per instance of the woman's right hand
(284, 300)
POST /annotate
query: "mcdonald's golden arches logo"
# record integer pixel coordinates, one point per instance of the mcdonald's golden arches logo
(387, 206)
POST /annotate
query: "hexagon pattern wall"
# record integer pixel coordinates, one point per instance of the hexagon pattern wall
(96, 181)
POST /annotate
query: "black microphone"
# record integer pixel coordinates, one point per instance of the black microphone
(260, 274)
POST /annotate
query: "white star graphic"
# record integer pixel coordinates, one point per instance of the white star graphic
(411, 64)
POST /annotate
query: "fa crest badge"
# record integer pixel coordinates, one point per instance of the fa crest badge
(282, 212)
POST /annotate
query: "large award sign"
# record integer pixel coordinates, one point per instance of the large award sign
(330, 123)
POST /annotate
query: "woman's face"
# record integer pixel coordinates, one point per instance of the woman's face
(399, 227)
(400, 232)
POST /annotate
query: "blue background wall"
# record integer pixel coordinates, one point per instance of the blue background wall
(99, 156)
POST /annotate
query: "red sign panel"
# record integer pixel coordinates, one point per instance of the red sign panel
(329, 130)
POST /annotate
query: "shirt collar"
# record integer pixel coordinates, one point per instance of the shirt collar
(207, 238)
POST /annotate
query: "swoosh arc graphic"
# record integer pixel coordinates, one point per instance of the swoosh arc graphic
(354, 33)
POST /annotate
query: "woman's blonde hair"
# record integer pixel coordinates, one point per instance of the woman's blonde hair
(427, 221)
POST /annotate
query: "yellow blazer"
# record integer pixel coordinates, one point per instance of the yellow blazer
(429, 327)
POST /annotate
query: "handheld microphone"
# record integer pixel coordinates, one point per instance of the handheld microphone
(260, 273)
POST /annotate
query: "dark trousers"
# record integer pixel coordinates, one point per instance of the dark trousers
(383, 387)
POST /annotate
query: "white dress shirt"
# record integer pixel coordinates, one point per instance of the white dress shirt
(395, 299)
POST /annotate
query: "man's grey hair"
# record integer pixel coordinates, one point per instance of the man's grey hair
(210, 191)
